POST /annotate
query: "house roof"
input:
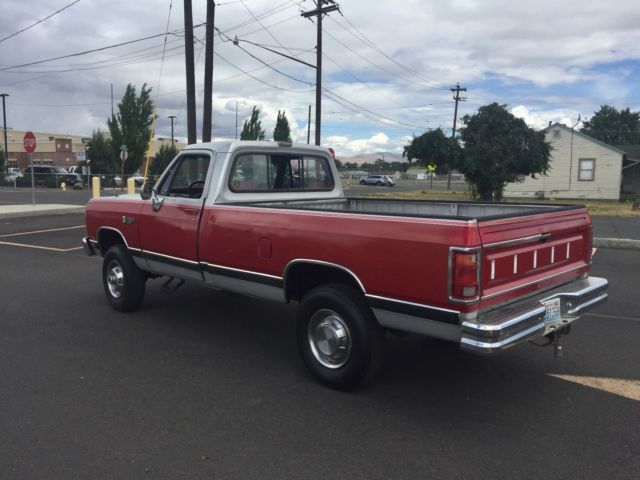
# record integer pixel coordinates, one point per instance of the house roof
(632, 151)
(586, 137)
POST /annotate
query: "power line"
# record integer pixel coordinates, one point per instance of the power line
(256, 78)
(108, 47)
(228, 39)
(360, 81)
(363, 38)
(164, 47)
(367, 110)
(373, 63)
(38, 22)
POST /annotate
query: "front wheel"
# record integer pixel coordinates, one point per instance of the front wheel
(340, 341)
(123, 281)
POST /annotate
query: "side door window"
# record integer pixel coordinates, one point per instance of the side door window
(186, 178)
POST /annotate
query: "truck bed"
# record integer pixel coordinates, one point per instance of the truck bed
(423, 208)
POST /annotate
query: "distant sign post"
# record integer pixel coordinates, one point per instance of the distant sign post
(29, 142)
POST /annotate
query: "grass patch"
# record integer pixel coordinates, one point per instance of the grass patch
(604, 208)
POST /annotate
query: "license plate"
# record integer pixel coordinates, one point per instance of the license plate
(552, 310)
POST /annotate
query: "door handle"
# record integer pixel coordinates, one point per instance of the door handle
(191, 211)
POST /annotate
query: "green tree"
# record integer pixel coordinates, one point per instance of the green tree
(103, 158)
(2, 159)
(282, 132)
(252, 128)
(614, 127)
(498, 149)
(430, 147)
(165, 154)
(131, 126)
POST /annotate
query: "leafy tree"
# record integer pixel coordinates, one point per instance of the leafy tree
(100, 152)
(252, 128)
(163, 157)
(282, 132)
(132, 126)
(338, 163)
(430, 147)
(2, 159)
(498, 149)
(614, 127)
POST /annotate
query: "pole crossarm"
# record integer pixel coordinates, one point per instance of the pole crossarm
(320, 11)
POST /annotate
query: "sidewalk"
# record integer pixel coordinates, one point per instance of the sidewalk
(21, 211)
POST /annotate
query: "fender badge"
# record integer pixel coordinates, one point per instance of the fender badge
(128, 220)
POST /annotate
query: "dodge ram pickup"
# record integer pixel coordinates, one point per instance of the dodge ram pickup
(270, 220)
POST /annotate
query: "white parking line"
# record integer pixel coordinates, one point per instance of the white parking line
(617, 386)
(38, 247)
(41, 231)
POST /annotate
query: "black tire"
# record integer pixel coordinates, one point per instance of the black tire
(379, 184)
(340, 341)
(123, 281)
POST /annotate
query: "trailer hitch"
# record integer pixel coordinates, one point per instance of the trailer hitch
(555, 338)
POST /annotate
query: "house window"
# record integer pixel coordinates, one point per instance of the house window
(587, 169)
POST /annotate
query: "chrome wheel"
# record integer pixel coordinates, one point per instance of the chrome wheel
(329, 339)
(115, 279)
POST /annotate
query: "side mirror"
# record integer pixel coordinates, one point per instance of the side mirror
(147, 190)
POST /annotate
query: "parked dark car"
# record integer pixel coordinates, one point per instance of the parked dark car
(51, 176)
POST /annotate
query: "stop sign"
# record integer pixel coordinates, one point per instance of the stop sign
(29, 142)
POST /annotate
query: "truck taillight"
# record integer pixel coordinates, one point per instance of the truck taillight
(464, 276)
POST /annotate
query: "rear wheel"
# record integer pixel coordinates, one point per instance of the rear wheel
(123, 281)
(339, 339)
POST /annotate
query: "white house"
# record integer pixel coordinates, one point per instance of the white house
(580, 167)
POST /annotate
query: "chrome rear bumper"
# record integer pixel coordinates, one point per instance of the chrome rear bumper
(507, 326)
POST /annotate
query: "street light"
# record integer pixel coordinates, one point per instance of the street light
(4, 119)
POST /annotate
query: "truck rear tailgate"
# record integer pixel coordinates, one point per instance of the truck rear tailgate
(527, 254)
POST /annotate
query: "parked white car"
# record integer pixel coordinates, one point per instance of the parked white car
(379, 180)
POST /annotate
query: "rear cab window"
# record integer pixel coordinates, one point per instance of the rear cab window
(260, 172)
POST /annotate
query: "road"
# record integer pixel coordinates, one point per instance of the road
(203, 384)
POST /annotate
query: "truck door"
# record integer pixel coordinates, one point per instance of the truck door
(170, 219)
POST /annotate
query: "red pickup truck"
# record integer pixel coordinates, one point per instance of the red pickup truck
(270, 220)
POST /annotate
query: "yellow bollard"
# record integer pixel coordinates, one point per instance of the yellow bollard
(95, 186)
(63, 186)
(131, 186)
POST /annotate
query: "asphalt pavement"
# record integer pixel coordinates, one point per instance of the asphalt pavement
(203, 384)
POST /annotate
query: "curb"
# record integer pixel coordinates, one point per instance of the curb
(41, 213)
(617, 243)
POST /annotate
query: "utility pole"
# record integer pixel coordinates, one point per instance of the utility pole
(191, 79)
(172, 117)
(236, 119)
(4, 123)
(112, 100)
(319, 12)
(309, 126)
(208, 72)
(457, 98)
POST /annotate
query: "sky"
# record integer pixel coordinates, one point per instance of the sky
(388, 67)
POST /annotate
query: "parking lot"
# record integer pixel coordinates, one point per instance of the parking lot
(203, 384)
